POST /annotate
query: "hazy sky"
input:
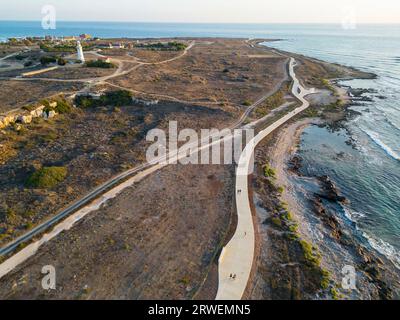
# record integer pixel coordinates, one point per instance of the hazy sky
(256, 11)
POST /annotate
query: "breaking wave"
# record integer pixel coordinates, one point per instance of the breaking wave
(384, 248)
(353, 215)
(375, 137)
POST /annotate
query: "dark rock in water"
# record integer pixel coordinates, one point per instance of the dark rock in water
(329, 220)
(356, 104)
(359, 92)
(381, 97)
(332, 197)
(331, 193)
(318, 206)
(340, 155)
(366, 99)
(295, 164)
(351, 114)
(365, 257)
(352, 143)
(346, 239)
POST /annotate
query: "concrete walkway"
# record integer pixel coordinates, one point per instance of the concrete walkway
(237, 257)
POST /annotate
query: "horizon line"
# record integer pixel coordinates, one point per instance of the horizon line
(187, 22)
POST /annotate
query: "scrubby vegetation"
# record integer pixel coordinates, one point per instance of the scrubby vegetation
(160, 46)
(29, 107)
(110, 98)
(99, 64)
(328, 85)
(272, 102)
(283, 220)
(61, 62)
(47, 177)
(317, 279)
(310, 253)
(269, 172)
(57, 48)
(48, 59)
(48, 47)
(62, 107)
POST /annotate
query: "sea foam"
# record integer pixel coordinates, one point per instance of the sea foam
(375, 137)
(384, 248)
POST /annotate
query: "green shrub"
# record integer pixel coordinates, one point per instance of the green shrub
(45, 103)
(47, 177)
(61, 62)
(334, 294)
(325, 279)
(288, 216)
(247, 103)
(294, 228)
(272, 102)
(84, 102)
(269, 172)
(49, 47)
(11, 215)
(276, 221)
(99, 64)
(112, 98)
(310, 254)
(63, 106)
(47, 59)
(118, 98)
(170, 46)
(185, 280)
(29, 225)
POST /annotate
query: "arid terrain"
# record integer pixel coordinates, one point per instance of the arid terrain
(160, 238)
(155, 241)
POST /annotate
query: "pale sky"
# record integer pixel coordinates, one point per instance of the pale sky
(240, 11)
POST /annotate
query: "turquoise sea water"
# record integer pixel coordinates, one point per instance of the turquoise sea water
(368, 175)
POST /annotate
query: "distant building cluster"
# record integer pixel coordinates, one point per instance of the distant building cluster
(82, 37)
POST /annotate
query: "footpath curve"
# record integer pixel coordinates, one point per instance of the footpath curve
(236, 259)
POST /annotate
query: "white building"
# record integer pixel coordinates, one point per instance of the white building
(80, 55)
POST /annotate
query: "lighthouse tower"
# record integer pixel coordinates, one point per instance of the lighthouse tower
(80, 55)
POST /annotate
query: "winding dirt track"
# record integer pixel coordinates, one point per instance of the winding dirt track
(98, 196)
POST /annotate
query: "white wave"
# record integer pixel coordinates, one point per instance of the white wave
(375, 137)
(352, 215)
(384, 248)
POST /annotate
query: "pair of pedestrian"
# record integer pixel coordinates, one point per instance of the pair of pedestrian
(232, 276)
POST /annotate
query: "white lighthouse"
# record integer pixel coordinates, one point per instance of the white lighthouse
(80, 55)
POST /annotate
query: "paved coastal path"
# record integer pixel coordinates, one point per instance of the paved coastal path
(237, 257)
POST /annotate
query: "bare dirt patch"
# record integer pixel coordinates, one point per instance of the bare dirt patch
(16, 94)
(75, 72)
(217, 72)
(138, 246)
(94, 145)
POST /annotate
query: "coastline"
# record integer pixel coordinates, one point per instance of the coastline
(339, 242)
(306, 208)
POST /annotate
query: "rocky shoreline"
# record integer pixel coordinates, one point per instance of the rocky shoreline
(377, 277)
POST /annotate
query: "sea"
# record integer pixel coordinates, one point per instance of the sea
(367, 171)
